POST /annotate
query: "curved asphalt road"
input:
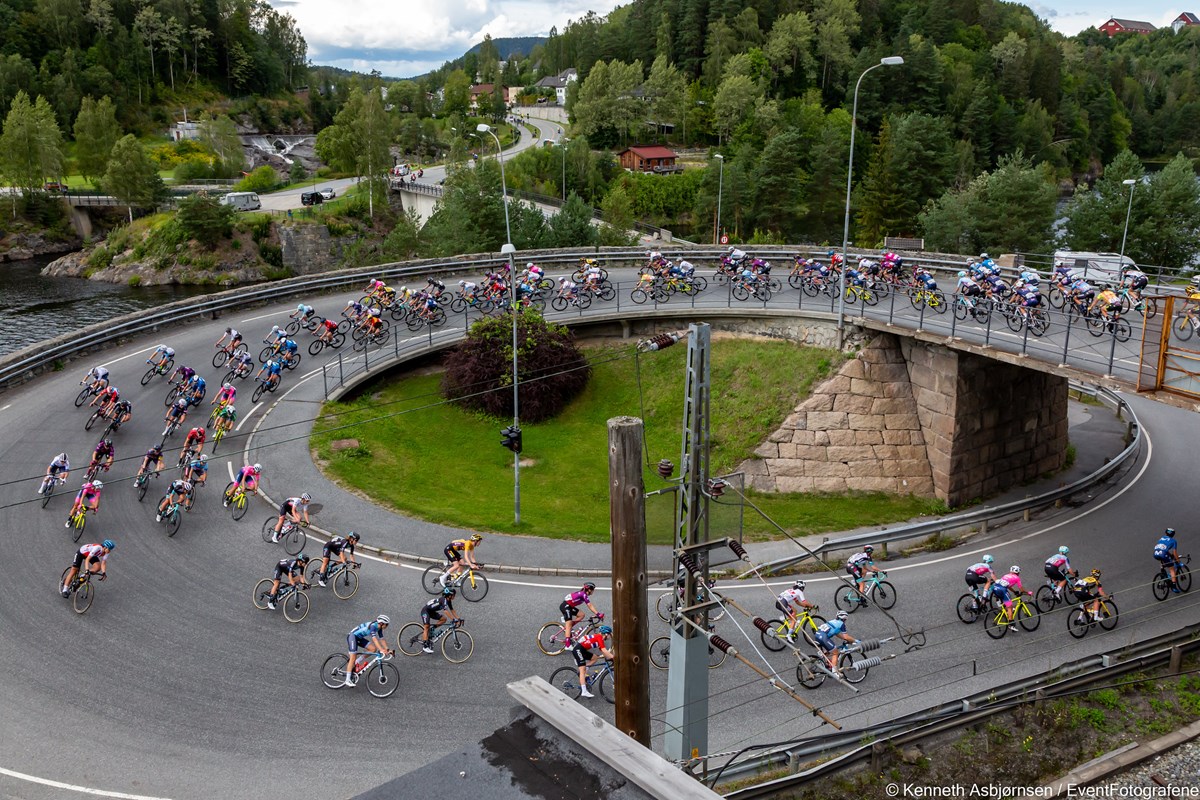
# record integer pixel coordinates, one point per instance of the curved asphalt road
(173, 685)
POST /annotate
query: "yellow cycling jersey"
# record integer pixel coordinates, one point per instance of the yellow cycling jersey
(1088, 584)
(463, 545)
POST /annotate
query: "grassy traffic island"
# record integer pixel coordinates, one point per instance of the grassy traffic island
(403, 445)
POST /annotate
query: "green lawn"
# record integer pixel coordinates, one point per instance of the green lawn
(435, 461)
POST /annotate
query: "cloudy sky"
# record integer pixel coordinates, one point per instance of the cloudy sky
(401, 38)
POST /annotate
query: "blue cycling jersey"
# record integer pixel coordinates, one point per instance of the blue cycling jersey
(367, 630)
(831, 628)
(199, 467)
(1163, 547)
(272, 368)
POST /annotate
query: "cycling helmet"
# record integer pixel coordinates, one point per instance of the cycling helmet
(97, 484)
(868, 549)
(462, 284)
(1064, 550)
(983, 255)
(1014, 569)
(227, 385)
(1095, 573)
(353, 535)
(107, 443)
(475, 537)
(798, 585)
(962, 273)
(108, 544)
(229, 330)
(988, 559)
(300, 307)
(606, 630)
(275, 329)
(303, 558)
(1060, 263)
(449, 591)
(203, 457)
(563, 279)
(843, 615)
(403, 290)
(589, 587)
(305, 497)
(257, 468)
(383, 619)
(1169, 532)
(530, 265)
(61, 457)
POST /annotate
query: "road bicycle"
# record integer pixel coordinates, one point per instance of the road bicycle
(291, 597)
(434, 318)
(176, 391)
(382, 677)
(78, 522)
(1049, 595)
(341, 577)
(780, 631)
(932, 299)
(1162, 585)
(89, 390)
(660, 653)
(475, 301)
(1116, 325)
(471, 585)
(291, 536)
(142, 483)
(882, 593)
(99, 413)
(46, 490)
(854, 293)
(457, 644)
(111, 429)
(577, 275)
(171, 516)
(94, 469)
(218, 435)
(1183, 325)
(378, 338)
(1081, 621)
(185, 457)
(268, 383)
(811, 672)
(973, 605)
(307, 323)
(1146, 306)
(234, 498)
(976, 307)
(240, 372)
(317, 345)
(552, 637)
(172, 425)
(580, 300)
(814, 285)
(743, 290)
(668, 602)
(604, 289)
(81, 589)
(1024, 614)
(599, 677)
(226, 352)
(164, 368)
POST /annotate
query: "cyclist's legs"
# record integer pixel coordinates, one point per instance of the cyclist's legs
(571, 615)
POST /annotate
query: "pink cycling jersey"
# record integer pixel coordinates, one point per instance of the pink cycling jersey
(1012, 581)
(577, 598)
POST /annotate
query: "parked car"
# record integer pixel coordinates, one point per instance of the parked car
(311, 199)
(242, 201)
(327, 194)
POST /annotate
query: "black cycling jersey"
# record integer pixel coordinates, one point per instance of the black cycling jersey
(337, 544)
(434, 607)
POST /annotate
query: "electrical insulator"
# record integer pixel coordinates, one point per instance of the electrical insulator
(721, 644)
(716, 487)
(869, 644)
(738, 550)
(665, 468)
(659, 342)
(762, 625)
(867, 663)
(688, 563)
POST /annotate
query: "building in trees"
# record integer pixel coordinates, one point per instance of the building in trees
(649, 158)
(1183, 20)
(559, 83)
(1115, 26)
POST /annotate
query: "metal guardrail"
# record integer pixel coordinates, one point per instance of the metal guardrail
(981, 515)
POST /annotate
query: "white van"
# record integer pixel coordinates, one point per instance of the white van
(1103, 267)
(242, 201)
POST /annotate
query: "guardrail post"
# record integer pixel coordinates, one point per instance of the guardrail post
(1025, 336)
(325, 381)
(367, 355)
(1176, 662)
(892, 304)
(1066, 339)
(953, 316)
(1112, 352)
(987, 330)
(341, 374)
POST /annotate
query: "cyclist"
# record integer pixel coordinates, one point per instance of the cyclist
(1107, 301)
(274, 370)
(980, 577)
(293, 568)
(241, 359)
(103, 455)
(466, 290)
(177, 492)
(1058, 567)
(857, 566)
(371, 323)
(247, 478)
(161, 355)
(226, 416)
(224, 395)
(1089, 591)
(434, 613)
(825, 636)
(60, 463)
(368, 635)
(122, 412)
(235, 338)
(178, 411)
(153, 460)
(277, 333)
(106, 397)
(196, 472)
(295, 509)
(570, 606)
(924, 279)
(1166, 552)
(584, 657)
(96, 379)
(303, 314)
(459, 557)
(567, 289)
(787, 602)
(193, 441)
(288, 348)
(183, 373)
(196, 389)
(1003, 589)
(1080, 292)
(337, 546)
(1134, 280)
(325, 330)
(967, 286)
(96, 556)
(88, 498)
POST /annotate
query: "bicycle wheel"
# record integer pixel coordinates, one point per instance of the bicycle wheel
(429, 579)
(699, 282)
(774, 638)
(1108, 614)
(315, 347)
(1122, 330)
(552, 638)
(847, 599)
(81, 601)
(1015, 321)
(220, 359)
(937, 301)
(345, 584)
(292, 328)
(173, 522)
(261, 590)
(47, 492)
(1038, 322)
(80, 524)
(338, 340)
(560, 303)
(264, 354)
(884, 594)
(82, 397)
(268, 529)
(606, 293)
(1183, 577)
(148, 376)
(1029, 620)
(740, 292)
(239, 506)
(809, 674)
(993, 625)
(474, 587)
(1161, 586)
(383, 679)
(1182, 326)
(295, 606)
(967, 608)
(457, 646)
(664, 606)
(960, 308)
(1056, 297)
(87, 426)
(1151, 307)
(566, 680)
(409, 639)
(1045, 600)
(917, 299)
(258, 392)
(1078, 623)
(716, 656)
(294, 541)
(847, 665)
(660, 652)
(607, 688)
(333, 671)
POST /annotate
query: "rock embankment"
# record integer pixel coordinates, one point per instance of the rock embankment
(23, 246)
(155, 271)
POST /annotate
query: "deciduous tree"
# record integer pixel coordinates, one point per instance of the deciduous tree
(96, 131)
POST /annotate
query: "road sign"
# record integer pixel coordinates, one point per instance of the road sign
(724, 238)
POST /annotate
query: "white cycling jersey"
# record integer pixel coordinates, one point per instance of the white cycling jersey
(790, 596)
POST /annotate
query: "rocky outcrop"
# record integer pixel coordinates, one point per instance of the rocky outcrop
(158, 271)
(310, 248)
(22, 246)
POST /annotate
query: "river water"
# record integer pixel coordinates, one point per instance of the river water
(34, 307)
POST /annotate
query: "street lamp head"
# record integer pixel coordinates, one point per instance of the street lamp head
(719, 156)
(507, 248)
(891, 61)
(1129, 181)
(483, 127)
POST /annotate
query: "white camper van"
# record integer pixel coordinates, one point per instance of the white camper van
(1095, 267)
(242, 201)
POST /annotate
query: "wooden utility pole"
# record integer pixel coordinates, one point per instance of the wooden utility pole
(627, 524)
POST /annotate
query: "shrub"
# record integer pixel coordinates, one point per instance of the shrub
(263, 179)
(551, 368)
(135, 280)
(205, 219)
(271, 253)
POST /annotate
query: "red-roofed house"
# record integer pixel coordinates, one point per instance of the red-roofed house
(1115, 26)
(649, 158)
(1183, 20)
(479, 90)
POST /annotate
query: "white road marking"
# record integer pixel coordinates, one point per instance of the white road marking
(250, 414)
(131, 355)
(260, 316)
(73, 788)
(6, 408)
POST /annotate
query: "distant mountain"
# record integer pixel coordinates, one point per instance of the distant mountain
(513, 44)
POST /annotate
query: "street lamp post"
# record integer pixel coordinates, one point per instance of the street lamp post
(508, 249)
(1132, 184)
(564, 169)
(887, 61)
(720, 187)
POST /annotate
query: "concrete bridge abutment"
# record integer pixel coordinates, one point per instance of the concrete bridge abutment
(912, 417)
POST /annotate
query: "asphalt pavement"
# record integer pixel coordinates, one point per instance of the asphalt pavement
(174, 685)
